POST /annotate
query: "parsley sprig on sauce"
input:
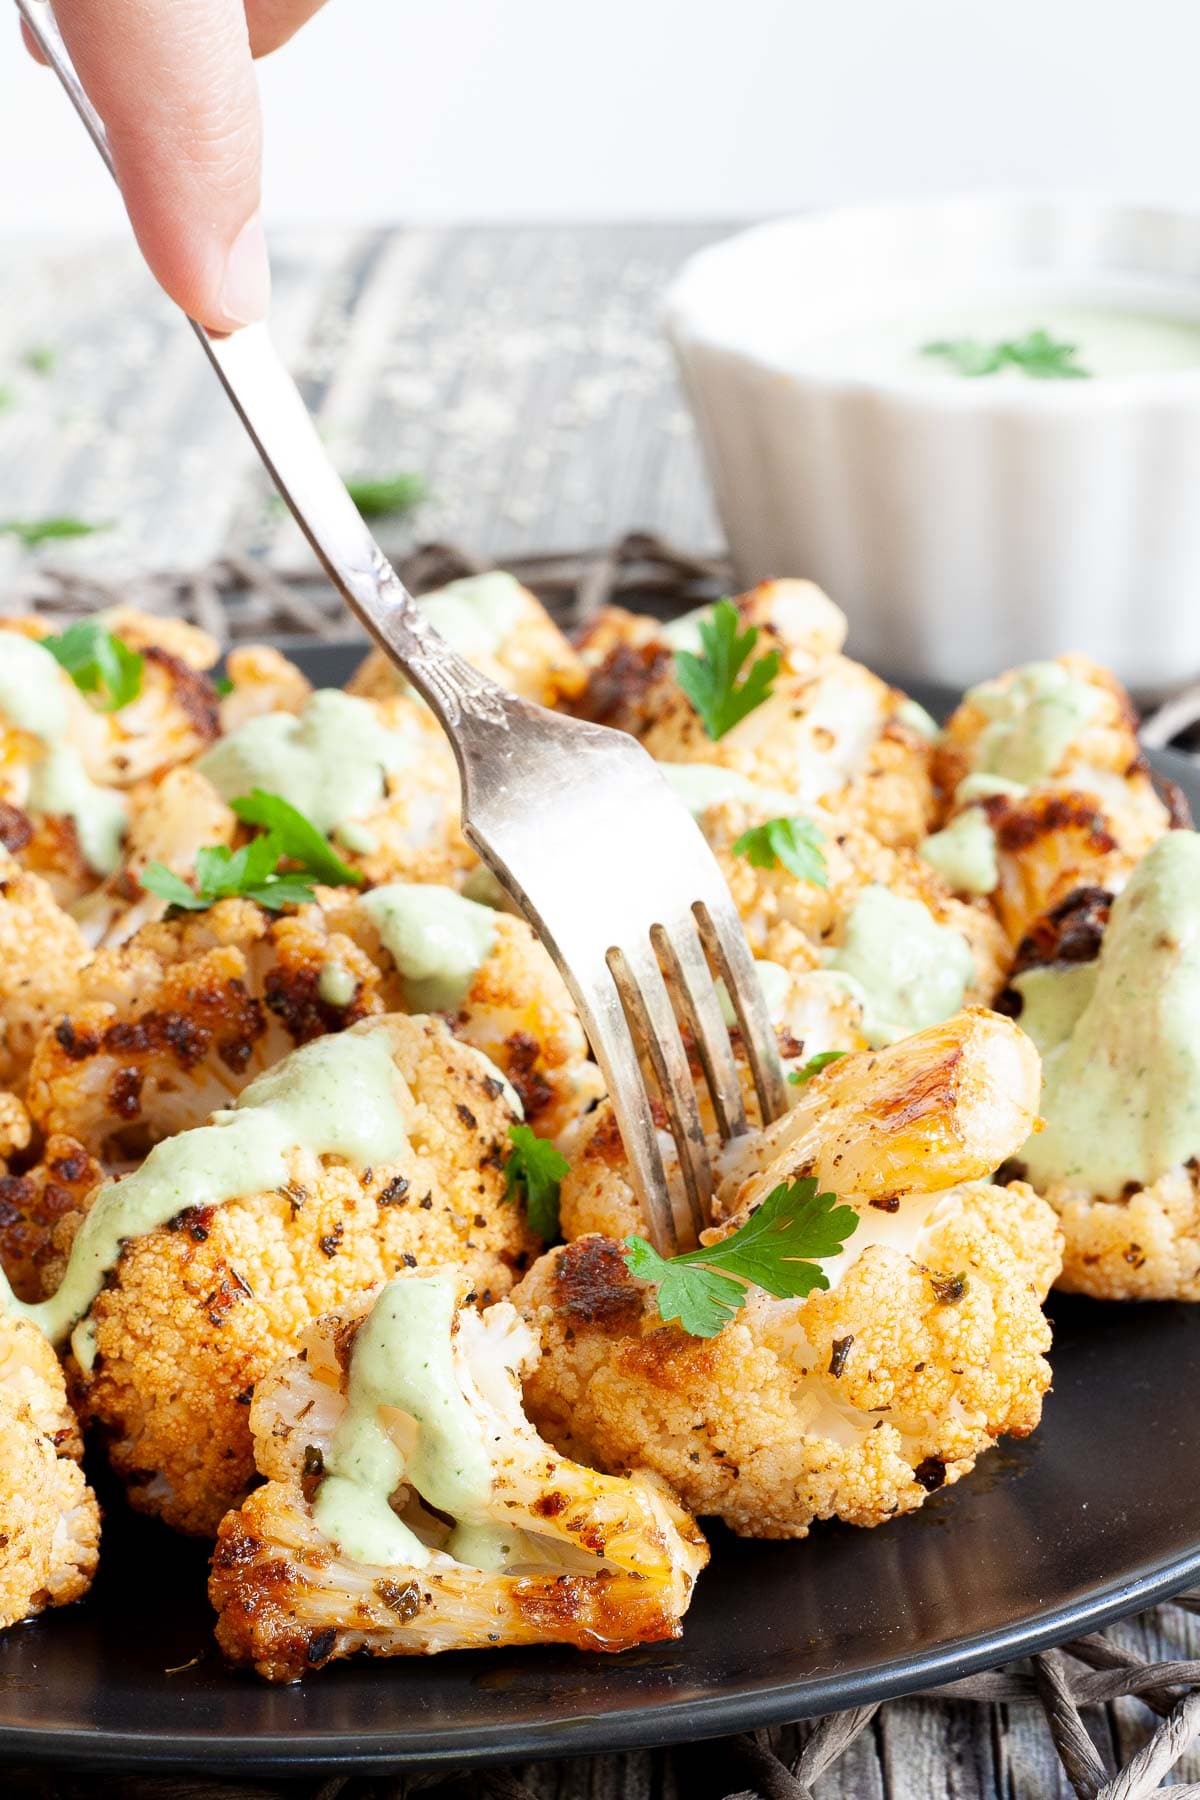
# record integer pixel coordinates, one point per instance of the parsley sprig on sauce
(794, 843)
(779, 1248)
(1037, 354)
(535, 1170)
(711, 680)
(98, 663)
(278, 869)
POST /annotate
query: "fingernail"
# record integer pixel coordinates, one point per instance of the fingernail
(246, 287)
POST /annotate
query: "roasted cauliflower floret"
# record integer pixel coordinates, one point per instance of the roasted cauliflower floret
(858, 1400)
(263, 681)
(853, 1404)
(524, 1547)
(172, 716)
(497, 983)
(829, 732)
(378, 776)
(502, 629)
(49, 1520)
(1117, 1158)
(42, 953)
(196, 1309)
(789, 919)
(938, 1108)
(33, 1203)
(1049, 789)
(164, 1030)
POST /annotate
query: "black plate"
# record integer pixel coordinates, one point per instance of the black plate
(1096, 1515)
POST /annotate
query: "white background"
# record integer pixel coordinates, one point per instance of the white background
(386, 110)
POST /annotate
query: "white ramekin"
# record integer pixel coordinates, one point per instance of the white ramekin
(964, 525)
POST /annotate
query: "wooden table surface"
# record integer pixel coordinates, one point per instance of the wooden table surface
(521, 372)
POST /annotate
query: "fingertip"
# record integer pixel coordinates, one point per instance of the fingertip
(31, 44)
(244, 296)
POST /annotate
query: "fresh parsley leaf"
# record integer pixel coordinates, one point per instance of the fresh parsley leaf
(710, 681)
(253, 872)
(796, 843)
(802, 1076)
(40, 359)
(375, 499)
(33, 532)
(98, 663)
(1037, 354)
(7, 398)
(778, 1248)
(297, 838)
(535, 1169)
(164, 882)
(223, 686)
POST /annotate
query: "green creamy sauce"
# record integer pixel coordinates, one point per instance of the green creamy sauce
(32, 691)
(437, 939)
(1053, 1000)
(911, 713)
(1121, 1093)
(60, 784)
(477, 614)
(985, 787)
(701, 785)
(33, 698)
(331, 761)
(965, 853)
(775, 982)
(1031, 721)
(336, 985)
(905, 969)
(403, 1359)
(338, 1096)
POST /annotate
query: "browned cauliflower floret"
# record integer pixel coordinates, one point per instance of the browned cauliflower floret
(170, 821)
(378, 776)
(785, 915)
(858, 1400)
(524, 1546)
(263, 681)
(853, 1404)
(1049, 790)
(502, 629)
(829, 732)
(1113, 1009)
(943, 1106)
(49, 1520)
(31, 1205)
(493, 978)
(172, 716)
(42, 953)
(174, 1024)
(196, 1310)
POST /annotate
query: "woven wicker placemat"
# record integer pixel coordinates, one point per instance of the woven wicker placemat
(239, 600)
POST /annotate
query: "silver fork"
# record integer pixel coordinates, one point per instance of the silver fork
(576, 820)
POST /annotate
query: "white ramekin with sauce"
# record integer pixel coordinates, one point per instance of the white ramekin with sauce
(965, 521)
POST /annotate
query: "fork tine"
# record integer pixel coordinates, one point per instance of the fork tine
(725, 941)
(691, 978)
(655, 1029)
(613, 1047)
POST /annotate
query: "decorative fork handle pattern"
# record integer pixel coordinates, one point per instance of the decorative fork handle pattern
(269, 406)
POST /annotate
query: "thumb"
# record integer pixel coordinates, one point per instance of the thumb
(174, 83)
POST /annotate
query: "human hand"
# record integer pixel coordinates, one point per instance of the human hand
(174, 84)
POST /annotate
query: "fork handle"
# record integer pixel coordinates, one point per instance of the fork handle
(267, 401)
